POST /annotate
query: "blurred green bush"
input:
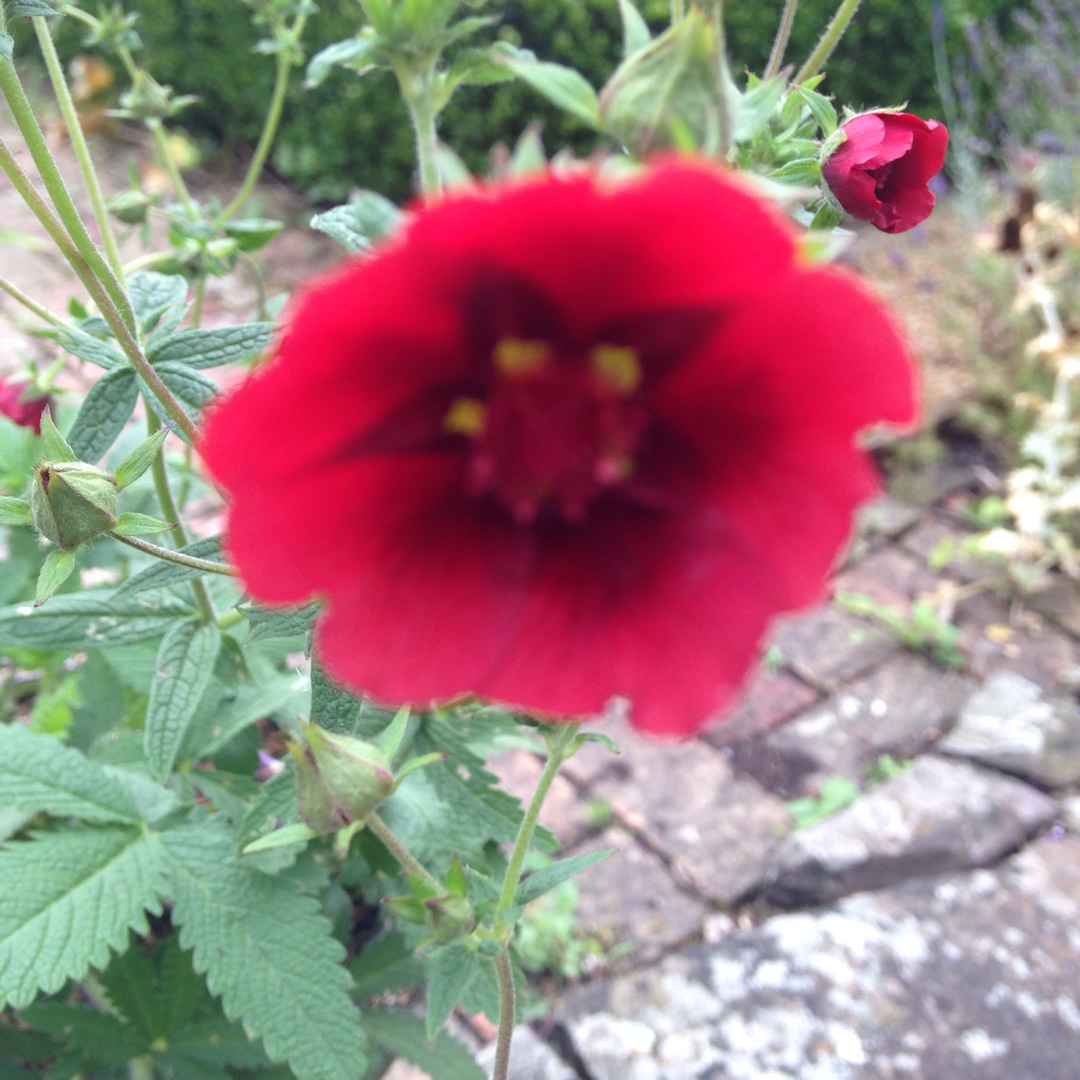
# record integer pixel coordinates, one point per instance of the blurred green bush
(353, 132)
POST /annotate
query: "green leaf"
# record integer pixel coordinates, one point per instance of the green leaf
(87, 347)
(562, 86)
(14, 511)
(39, 774)
(267, 952)
(368, 217)
(286, 836)
(387, 964)
(200, 349)
(191, 388)
(79, 892)
(103, 1040)
(275, 623)
(402, 1034)
(802, 172)
(105, 411)
(474, 67)
(161, 574)
(153, 295)
(140, 459)
(58, 566)
(7, 46)
(253, 234)
(540, 881)
(31, 7)
(54, 444)
(822, 109)
(358, 53)
(753, 109)
(87, 620)
(450, 974)
(130, 524)
(332, 707)
(185, 665)
(635, 29)
(252, 704)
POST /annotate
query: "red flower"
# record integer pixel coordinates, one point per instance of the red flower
(22, 408)
(881, 171)
(560, 441)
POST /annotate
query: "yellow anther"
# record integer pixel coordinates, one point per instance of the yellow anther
(618, 366)
(513, 356)
(467, 416)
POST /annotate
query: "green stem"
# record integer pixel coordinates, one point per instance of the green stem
(678, 11)
(168, 163)
(30, 303)
(829, 40)
(78, 142)
(783, 34)
(270, 126)
(200, 296)
(504, 972)
(172, 513)
(93, 285)
(416, 90)
(28, 125)
(560, 746)
(406, 860)
(206, 565)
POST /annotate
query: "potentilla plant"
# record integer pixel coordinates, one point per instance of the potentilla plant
(545, 441)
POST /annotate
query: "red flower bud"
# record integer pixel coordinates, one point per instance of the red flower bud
(19, 406)
(881, 170)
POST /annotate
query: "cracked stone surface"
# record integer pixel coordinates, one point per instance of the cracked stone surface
(963, 976)
(1010, 724)
(936, 815)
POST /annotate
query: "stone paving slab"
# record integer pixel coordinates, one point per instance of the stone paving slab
(935, 816)
(901, 709)
(966, 977)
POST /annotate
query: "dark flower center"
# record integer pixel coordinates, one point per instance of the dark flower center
(555, 430)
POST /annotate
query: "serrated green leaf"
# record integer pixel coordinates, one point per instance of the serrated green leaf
(635, 29)
(275, 623)
(160, 574)
(540, 881)
(403, 1035)
(87, 347)
(105, 412)
(14, 511)
(39, 774)
(54, 446)
(267, 952)
(332, 707)
(200, 349)
(449, 976)
(368, 217)
(562, 86)
(130, 524)
(88, 620)
(7, 46)
(102, 1039)
(190, 387)
(252, 705)
(140, 459)
(80, 892)
(185, 665)
(387, 964)
(153, 295)
(58, 566)
(31, 7)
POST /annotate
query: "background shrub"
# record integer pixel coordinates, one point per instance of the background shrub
(328, 133)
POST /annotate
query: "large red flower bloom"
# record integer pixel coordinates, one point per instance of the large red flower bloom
(559, 441)
(881, 171)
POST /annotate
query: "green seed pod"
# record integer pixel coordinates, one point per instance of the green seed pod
(72, 502)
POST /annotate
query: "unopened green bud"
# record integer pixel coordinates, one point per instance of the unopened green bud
(130, 207)
(72, 502)
(339, 779)
(668, 91)
(448, 917)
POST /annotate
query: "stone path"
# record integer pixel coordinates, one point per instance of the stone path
(929, 929)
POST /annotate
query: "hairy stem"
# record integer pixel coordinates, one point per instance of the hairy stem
(30, 303)
(504, 972)
(406, 860)
(783, 33)
(829, 40)
(416, 90)
(206, 565)
(78, 143)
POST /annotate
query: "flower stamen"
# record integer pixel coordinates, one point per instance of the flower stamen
(618, 366)
(513, 356)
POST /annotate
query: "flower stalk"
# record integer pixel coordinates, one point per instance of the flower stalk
(206, 565)
(829, 40)
(783, 34)
(406, 860)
